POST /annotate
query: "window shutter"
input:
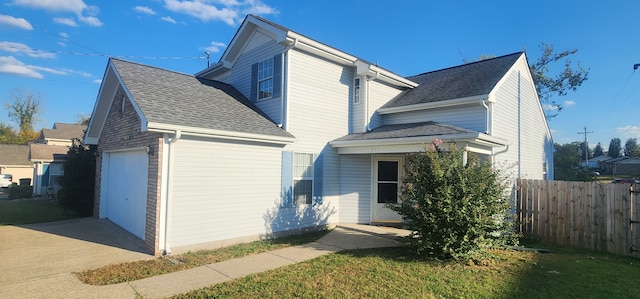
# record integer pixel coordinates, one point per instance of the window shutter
(277, 76)
(287, 179)
(318, 179)
(254, 83)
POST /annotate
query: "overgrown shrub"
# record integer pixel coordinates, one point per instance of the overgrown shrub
(19, 191)
(455, 211)
(78, 181)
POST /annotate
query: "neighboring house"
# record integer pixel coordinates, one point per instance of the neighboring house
(285, 133)
(627, 166)
(48, 154)
(14, 160)
(596, 162)
(61, 134)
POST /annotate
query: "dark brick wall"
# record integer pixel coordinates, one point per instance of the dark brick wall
(122, 131)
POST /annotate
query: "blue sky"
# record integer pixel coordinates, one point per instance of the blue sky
(59, 49)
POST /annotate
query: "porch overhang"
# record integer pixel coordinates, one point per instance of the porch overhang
(409, 138)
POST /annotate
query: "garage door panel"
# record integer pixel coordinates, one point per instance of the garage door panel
(127, 190)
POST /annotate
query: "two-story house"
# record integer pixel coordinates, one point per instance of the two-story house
(286, 133)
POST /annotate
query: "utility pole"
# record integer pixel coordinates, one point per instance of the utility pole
(586, 147)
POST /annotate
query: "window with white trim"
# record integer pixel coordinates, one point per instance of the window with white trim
(265, 79)
(302, 178)
(356, 90)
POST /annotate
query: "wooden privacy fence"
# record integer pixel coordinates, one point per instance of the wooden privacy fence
(600, 217)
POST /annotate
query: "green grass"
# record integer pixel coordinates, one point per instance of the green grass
(124, 272)
(27, 211)
(398, 273)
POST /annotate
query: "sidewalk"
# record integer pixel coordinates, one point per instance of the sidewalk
(344, 237)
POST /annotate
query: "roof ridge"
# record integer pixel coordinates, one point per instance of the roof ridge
(469, 63)
(151, 66)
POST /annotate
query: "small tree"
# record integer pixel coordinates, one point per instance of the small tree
(598, 150)
(615, 147)
(78, 180)
(454, 210)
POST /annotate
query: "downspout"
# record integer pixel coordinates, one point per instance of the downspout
(167, 222)
(487, 126)
(283, 82)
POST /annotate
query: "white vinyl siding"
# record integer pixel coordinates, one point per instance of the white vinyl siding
(222, 190)
(240, 75)
(379, 94)
(527, 154)
(318, 99)
(355, 189)
(471, 117)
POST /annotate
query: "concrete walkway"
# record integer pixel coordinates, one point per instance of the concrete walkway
(343, 237)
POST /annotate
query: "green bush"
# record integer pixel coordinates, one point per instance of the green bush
(18, 191)
(455, 211)
(78, 181)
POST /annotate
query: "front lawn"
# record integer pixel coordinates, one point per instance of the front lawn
(397, 273)
(27, 211)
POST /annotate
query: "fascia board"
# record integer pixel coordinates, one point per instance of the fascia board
(432, 105)
(469, 137)
(109, 73)
(201, 132)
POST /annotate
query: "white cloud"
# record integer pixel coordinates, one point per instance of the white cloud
(569, 103)
(63, 35)
(548, 107)
(24, 49)
(144, 10)
(85, 13)
(169, 20)
(16, 22)
(12, 66)
(98, 81)
(626, 132)
(75, 72)
(66, 21)
(48, 70)
(214, 47)
(227, 11)
(93, 21)
(62, 44)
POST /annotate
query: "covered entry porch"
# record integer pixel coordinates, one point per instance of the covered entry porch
(372, 164)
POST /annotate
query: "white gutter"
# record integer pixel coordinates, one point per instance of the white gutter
(167, 222)
(432, 105)
(229, 135)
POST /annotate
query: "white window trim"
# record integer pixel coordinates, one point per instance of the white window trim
(270, 77)
(307, 176)
(357, 90)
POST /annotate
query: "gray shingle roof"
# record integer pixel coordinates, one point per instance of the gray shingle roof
(173, 98)
(14, 154)
(423, 129)
(63, 131)
(476, 78)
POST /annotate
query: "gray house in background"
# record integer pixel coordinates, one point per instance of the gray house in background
(48, 153)
(286, 133)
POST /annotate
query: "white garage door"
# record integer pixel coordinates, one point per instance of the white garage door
(127, 190)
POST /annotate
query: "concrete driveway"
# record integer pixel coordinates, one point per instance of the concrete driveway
(37, 258)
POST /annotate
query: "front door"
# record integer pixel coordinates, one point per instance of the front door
(387, 180)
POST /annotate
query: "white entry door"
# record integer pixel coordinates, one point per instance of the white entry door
(127, 190)
(387, 179)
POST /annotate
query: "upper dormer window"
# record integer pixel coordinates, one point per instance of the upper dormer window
(356, 91)
(265, 79)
